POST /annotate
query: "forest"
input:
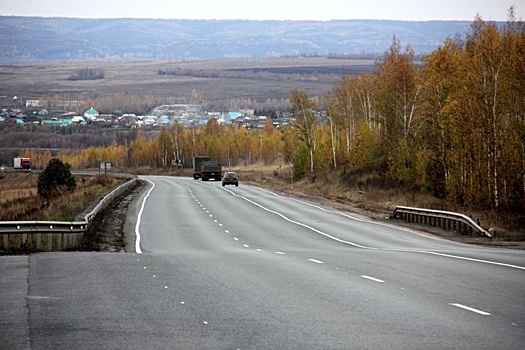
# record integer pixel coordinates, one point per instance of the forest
(454, 126)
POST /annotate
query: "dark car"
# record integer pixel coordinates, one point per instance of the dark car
(230, 178)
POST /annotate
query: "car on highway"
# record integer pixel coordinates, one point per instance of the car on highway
(230, 178)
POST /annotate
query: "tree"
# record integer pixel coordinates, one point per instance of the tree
(441, 75)
(55, 179)
(166, 148)
(303, 110)
(399, 89)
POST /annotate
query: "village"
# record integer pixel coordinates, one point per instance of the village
(35, 112)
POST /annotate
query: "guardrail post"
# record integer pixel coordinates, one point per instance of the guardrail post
(59, 242)
(38, 241)
(49, 242)
(6, 242)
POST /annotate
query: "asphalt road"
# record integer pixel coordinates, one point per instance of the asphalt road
(245, 268)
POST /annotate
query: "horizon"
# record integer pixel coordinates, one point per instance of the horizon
(270, 10)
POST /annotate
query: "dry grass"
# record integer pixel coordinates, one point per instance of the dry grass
(19, 200)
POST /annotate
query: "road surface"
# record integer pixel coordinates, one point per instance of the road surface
(246, 268)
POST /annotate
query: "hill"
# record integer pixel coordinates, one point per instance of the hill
(37, 39)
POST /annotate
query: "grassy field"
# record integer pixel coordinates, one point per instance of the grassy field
(259, 79)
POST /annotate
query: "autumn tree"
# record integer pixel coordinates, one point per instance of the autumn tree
(442, 75)
(165, 146)
(303, 110)
(399, 101)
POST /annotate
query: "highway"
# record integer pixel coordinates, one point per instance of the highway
(243, 267)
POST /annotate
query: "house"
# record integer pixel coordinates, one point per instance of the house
(91, 114)
(77, 119)
(34, 102)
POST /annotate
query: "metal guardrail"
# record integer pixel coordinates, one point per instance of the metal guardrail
(59, 235)
(444, 219)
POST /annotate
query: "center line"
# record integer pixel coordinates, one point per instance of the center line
(373, 279)
(471, 309)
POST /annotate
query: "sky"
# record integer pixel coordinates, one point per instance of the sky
(321, 10)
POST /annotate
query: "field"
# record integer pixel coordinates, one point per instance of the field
(256, 79)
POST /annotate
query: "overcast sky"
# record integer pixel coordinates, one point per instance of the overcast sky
(411, 10)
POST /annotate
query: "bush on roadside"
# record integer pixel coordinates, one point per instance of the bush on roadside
(55, 179)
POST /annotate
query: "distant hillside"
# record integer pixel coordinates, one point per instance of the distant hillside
(37, 39)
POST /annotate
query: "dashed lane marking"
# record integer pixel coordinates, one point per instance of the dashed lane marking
(373, 279)
(483, 313)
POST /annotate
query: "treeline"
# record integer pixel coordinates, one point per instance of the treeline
(230, 145)
(60, 137)
(455, 127)
(322, 74)
(141, 104)
(87, 74)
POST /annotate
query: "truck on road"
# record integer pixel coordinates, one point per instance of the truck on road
(22, 164)
(197, 162)
(211, 170)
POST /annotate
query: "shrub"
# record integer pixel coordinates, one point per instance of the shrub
(55, 179)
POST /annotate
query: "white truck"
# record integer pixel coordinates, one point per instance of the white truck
(22, 164)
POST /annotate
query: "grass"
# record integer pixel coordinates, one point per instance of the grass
(19, 200)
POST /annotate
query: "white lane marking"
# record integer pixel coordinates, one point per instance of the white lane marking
(246, 246)
(259, 250)
(280, 253)
(372, 279)
(139, 216)
(301, 224)
(226, 231)
(316, 261)
(471, 259)
(312, 205)
(470, 309)
(373, 223)
(235, 238)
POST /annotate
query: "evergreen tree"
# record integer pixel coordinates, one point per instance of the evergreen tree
(55, 179)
